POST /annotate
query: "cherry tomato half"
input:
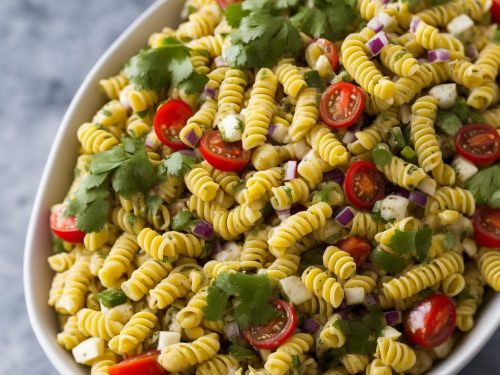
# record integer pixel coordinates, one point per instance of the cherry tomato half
(430, 321)
(64, 227)
(221, 155)
(478, 143)
(144, 364)
(357, 247)
(487, 226)
(364, 184)
(170, 118)
(274, 333)
(330, 52)
(341, 105)
(495, 11)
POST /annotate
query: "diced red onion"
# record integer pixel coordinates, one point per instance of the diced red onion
(345, 216)
(310, 325)
(393, 318)
(375, 24)
(220, 62)
(271, 129)
(385, 2)
(349, 137)
(344, 310)
(472, 52)
(414, 24)
(336, 175)
(439, 55)
(188, 152)
(399, 191)
(296, 208)
(379, 41)
(417, 197)
(210, 92)
(291, 170)
(231, 330)
(192, 137)
(203, 229)
(371, 300)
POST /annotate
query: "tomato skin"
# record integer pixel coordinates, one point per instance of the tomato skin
(172, 116)
(482, 235)
(143, 364)
(495, 11)
(477, 135)
(357, 247)
(371, 179)
(350, 105)
(224, 3)
(65, 227)
(430, 321)
(212, 146)
(278, 338)
(330, 52)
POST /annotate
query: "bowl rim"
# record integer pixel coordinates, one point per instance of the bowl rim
(486, 323)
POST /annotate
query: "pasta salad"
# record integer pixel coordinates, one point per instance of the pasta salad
(287, 187)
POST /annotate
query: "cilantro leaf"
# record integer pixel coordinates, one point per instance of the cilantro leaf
(177, 164)
(194, 83)
(94, 216)
(108, 160)
(448, 122)
(153, 203)
(57, 245)
(136, 174)
(449, 241)
(403, 242)
(234, 13)
(485, 184)
(241, 352)
(324, 194)
(311, 258)
(423, 240)
(494, 200)
(311, 21)
(216, 303)
(313, 79)
(182, 220)
(381, 156)
(390, 263)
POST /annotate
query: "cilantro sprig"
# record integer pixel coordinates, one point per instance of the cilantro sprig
(381, 156)
(124, 169)
(412, 242)
(176, 165)
(253, 292)
(450, 121)
(157, 68)
(182, 220)
(485, 186)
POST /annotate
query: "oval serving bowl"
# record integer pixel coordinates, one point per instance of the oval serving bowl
(57, 177)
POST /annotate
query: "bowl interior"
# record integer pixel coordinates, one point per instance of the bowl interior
(57, 177)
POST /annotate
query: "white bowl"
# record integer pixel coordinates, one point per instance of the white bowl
(58, 174)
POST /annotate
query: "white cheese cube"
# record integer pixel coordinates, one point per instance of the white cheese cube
(354, 296)
(231, 128)
(280, 134)
(470, 247)
(446, 94)
(230, 251)
(391, 333)
(464, 168)
(295, 290)
(167, 338)
(121, 313)
(460, 24)
(394, 207)
(88, 350)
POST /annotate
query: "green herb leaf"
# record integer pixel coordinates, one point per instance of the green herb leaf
(241, 352)
(448, 122)
(216, 303)
(234, 13)
(295, 362)
(57, 245)
(153, 203)
(324, 194)
(476, 117)
(108, 160)
(311, 258)
(494, 200)
(182, 220)
(449, 241)
(381, 156)
(484, 184)
(403, 242)
(177, 164)
(313, 79)
(112, 297)
(423, 240)
(390, 263)
(134, 175)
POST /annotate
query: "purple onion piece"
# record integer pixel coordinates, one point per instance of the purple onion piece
(379, 41)
(192, 137)
(210, 92)
(231, 330)
(371, 300)
(349, 137)
(203, 229)
(439, 55)
(188, 152)
(414, 24)
(291, 170)
(472, 52)
(345, 216)
(296, 208)
(271, 129)
(345, 310)
(336, 175)
(393, 318)
(375, 25)
(417, 197)
(310, 325)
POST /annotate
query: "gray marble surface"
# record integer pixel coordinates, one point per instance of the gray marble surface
(46, 49)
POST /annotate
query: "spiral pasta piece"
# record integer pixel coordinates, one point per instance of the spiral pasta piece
(489, 265)
(395, 354)
(447, 198)
(311, 171)
(403, 174)
(323, 286)
(377, 367)
(174, 286)
(279, 362)
(255, 251)
(71, 335)
(231, 224)
(95, 140)
(306, 114)
(262, 182)
(291, 192)
(424, 276)
(492, 117)
(260, 109)
(61, 262)
(354, 363)
(220, 364)
(283, 266)
(408, 41)
(200, 183)
(367, 281)
(192, 315)
(409, 87)
(441, 15)
(181, 356)
(290, 77)
(467, 74)
(330, 336)
(430, 38)
(119, 259)
(112, 86)
(299, 225)
(134, 332)
(399, 60)
(127, 221)
(200, 123)
(230, 98)
(364, 225)
(339, 262)
(467, 306)
(482, 97)
(76, 283)
(327, 146)
(101, 365)
(453, 284)
(407, 224)
(200, 23)
(488, 61)
(97, 324)
(444, 174)
(139, 100)
(144, 278)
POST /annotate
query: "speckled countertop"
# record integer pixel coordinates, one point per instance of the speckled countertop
(46, 49)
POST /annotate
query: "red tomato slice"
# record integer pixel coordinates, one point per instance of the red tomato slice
(341, 105)
(487, 226)
(224, 3)
(357, 247)
(330, 52)
(478, 143)
(221, 155)
(431, 321)
(495, 11)
(277, 331)
(142, 364)
(170, 118)
(364, 184)
(64, 227)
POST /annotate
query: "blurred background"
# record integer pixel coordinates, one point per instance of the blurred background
(47, 48)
